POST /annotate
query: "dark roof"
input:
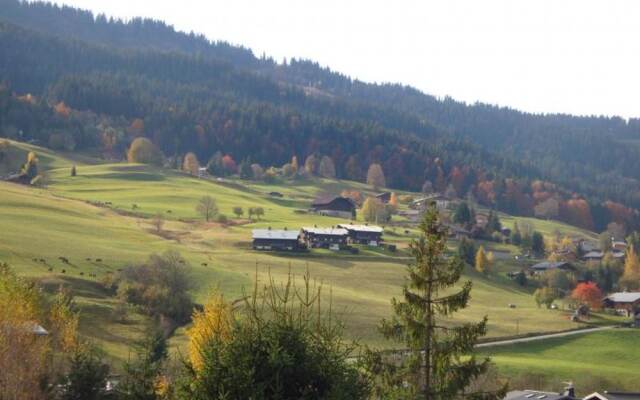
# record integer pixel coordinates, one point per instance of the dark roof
(324, 200)
(546, 265)
(614, 396)
(536, 395)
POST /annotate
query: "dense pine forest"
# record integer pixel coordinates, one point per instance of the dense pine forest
(79, 82)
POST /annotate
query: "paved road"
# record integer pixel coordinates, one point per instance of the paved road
(543, 337)
(525, 339)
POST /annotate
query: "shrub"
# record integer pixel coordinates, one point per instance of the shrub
(283, 346)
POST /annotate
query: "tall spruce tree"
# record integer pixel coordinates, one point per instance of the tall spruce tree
(441, 364)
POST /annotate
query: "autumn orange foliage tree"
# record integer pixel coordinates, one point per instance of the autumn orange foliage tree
(588, 293)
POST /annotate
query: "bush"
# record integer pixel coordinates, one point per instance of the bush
(160, 286)
(282, 347)
(222, 219)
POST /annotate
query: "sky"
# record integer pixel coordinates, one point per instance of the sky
(546, 56)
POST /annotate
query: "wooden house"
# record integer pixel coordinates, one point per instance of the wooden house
(626, 302)
(568, 394)
(545, 266)
(363, 234)
(611, 395)
(384, 197)
(329, 238)
(334, 206)
(278, 240)
(441, 201)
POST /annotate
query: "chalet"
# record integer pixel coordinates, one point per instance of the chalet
(384, 197)
(334, 206)
(610, 395)
(457, 232)
(618, 245)
(545, 266)
(411, 215)
(329, 238)
(363, 234)
(593, 256)
(482, 220)
(441, 201)
(587, 246)
(568, 394)
(202, 172)
(627, 302)
(22, 179)
(279, 240)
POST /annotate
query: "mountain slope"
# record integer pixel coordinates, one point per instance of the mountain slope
(194, 95)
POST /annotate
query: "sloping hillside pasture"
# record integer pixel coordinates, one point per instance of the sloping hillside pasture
(606, 360)
(62, 221)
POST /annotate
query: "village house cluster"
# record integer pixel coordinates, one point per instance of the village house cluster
(339, 237)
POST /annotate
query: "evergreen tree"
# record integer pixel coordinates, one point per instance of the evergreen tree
(516, 236)
(441, 364)
(246, 172)
(462, 214)
(142, 374)
(537, 243)
(467, 251)
(87, 375)
(215, 166)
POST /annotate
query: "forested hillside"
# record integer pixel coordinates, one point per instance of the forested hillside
(77, 82)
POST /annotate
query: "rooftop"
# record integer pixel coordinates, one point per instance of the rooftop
(536, 395)
(275, 234)
(361, 228)
(550, 265)
(613, 396)
(624, 297)
(326, 231)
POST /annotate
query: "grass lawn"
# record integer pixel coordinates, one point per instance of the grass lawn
(62, 221)
(594, 361)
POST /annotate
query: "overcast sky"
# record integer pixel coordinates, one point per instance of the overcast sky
(579, 56)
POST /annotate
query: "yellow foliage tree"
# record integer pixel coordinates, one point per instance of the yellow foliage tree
(375, 176)
(214, 322)
(630, 279)
(481, 261)
(143, 151)
(191, 164)
(371, 209)
(25, 349)
(294, 164)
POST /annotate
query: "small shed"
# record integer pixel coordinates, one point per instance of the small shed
(278, 240)
(331, 238)
(364, 234)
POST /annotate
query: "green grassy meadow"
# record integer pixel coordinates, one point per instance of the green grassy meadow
(92, 215)
(605, 360)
